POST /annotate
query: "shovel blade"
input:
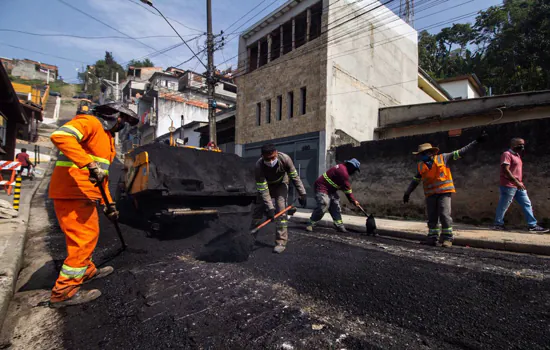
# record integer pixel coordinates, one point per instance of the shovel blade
(371, 225)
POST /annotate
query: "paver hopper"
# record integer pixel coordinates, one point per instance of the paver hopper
(162, 185)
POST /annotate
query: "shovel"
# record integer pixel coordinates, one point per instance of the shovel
(371, 223)
(290, 209)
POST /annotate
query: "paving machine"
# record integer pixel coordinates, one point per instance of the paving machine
(163, 185)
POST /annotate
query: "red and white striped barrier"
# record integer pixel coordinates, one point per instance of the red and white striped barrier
(8, 165)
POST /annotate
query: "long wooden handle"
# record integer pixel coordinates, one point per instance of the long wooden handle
(282, 212)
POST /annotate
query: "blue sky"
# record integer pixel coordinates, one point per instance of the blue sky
(132, 18)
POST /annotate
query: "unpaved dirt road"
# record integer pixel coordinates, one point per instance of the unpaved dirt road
(327, 291)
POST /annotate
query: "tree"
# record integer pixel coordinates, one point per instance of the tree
(102, 69)
(137, 63)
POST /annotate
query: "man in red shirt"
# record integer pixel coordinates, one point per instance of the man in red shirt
(25, 161)
(326, 193)
(512, 187)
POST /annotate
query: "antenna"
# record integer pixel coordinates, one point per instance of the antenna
(406, 11)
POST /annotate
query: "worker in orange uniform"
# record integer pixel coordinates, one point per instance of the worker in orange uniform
(87, 149)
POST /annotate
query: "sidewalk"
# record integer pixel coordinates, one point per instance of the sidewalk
(13, 233)
(464, 235)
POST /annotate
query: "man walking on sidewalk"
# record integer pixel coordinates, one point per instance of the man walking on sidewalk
(25, 161)
(326, 193)
(87, 149)
(512, 187)
(434, 172)
(272, 173)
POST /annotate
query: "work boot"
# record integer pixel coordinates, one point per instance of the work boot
(430, 240)
(341, 228)
(309, 228)
(538, 229)
(279, 248)
(447, 243)
(102, 272)
(81, 297)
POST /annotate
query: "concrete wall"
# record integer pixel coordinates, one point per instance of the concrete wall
(174, 110)
(27, 70)
(461, 88)
(387, 168)
(372, 63)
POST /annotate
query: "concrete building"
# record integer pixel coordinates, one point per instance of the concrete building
(313, 74)
(225, 131)
(12, 115)
(463, 87)
(454, 116)
(33, 70)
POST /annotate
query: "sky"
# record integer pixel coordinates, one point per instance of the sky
(126, 19)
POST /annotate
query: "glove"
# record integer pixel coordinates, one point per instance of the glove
(270, 214)
(303, 200)
(96, 173)
(357, 204)
(406, 198)
(483, 137)
(111, 212)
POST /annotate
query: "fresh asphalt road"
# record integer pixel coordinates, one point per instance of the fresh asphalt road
(326, 291)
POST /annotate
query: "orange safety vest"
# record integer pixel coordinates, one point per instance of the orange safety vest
(80, 141)
(438, 179)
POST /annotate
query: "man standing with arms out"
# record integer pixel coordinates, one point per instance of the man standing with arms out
(326, 193)
(25, 161)
(272, 172)
(87, 149)
(434, 172)
(512, 187)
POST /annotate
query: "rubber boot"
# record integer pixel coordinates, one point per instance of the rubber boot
(81, 297)
(430, 241)
(309, 228)
(102, 272)
(341, 228)
(279, 248)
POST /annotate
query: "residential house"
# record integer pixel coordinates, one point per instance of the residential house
(12, 116)
(33, 70)
(463, 87)
(225, 131)
(308, 89)
(135, 84)
(7, 63)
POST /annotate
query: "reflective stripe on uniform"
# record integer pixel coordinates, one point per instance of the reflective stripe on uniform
(338, 222)
(73, 272)
(456, 155)
(69, 130)
(282, 223)
(434, 232)
(330, 181)
(293, 174)
(439, 190)
(447, 231)
(64, 161)
(416, 179)
(439, 183)
(348, 191)
(261, 186)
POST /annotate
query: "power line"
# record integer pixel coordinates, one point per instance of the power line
(43, 53)
(243, 16)
(105, 24)
(89, 37)
(172, 19)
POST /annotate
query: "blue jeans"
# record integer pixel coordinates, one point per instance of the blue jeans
(507, 195)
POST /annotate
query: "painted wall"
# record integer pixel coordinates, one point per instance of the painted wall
(387, 167)
(372, 62)
(174, 110)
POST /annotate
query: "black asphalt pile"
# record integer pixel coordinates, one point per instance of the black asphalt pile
(235, 243)
(182, 170)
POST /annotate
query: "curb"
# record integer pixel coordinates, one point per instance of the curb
(12, 262)
(459, 241)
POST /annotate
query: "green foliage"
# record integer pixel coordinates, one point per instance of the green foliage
(102, 69)
(508, 48)
(137, 63)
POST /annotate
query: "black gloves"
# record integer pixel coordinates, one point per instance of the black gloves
(270, 214)
(303, 200)
(406, 198)
(483, 137)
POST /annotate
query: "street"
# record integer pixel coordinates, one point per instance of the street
(327, 290)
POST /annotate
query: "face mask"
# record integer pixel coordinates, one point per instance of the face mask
(519, 148)
(271, 163)
(426, 158)
(108, 121)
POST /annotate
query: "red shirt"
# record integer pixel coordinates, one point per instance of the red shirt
(340, 177)
(23, 158)
(516, 168)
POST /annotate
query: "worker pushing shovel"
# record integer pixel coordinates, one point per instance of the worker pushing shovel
(434, 172)
(87, 148)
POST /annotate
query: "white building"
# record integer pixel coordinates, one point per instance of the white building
(463, 87)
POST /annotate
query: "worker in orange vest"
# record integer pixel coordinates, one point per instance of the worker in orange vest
(87, 149)
(433, 171)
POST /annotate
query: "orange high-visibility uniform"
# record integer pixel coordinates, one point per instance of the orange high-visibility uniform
(80, 141)
(438, 179)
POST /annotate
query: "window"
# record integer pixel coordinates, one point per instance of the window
(268, 111)
(290, 107)
(316, 18)
(300, 29)
(287, 37)
(253, 59)
(258, 114)
(275, 44)
(279, 107)
(263, 51)
(230, 88)
(303, 94)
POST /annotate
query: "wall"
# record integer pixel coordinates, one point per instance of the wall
(372, 63)
(387, 168)
(302, 67)
(458, 89)
(27, 70)
(174, 110)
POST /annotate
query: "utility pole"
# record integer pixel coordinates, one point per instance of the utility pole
(210, 79)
